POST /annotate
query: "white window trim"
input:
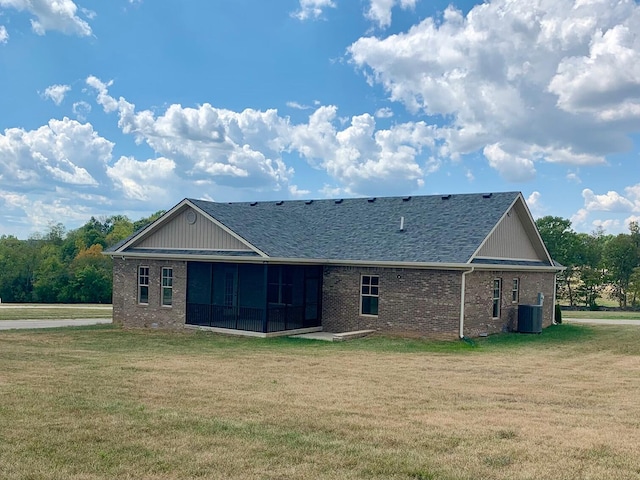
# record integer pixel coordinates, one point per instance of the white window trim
(493, 297)
(515, 288)
(368, 295)
(140, 285)
(163, 286)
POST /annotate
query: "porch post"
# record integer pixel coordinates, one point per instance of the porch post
(265, 310)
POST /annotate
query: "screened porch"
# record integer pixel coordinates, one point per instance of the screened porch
(253, 297)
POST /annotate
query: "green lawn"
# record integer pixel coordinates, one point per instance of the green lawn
(101, 403)
(610, 315)
(11, 311)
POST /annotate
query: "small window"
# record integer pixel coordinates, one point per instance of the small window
(369, 288)
(515, 290)
(143, 285)
(167, 286)
(497, 293)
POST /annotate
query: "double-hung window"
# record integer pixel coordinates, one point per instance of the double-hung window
(143, 285)
(497, 294)
(369, 290)
(167, 286)
(515, 290)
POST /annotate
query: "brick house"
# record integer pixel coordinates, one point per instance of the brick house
(432, 266)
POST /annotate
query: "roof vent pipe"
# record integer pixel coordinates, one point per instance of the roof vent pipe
(402, 224)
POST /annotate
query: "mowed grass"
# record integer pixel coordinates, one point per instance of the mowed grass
(603, 315)
(11, 311)
(100, 402)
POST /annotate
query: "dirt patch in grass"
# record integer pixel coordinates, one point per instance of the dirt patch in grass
(98, 403)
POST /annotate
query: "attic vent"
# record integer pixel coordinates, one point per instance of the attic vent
(371, 200)
(406, 199)
(446, 197)
(487, 195)
(339, 201)
(279, 203)
(309, 202)
(253, 204)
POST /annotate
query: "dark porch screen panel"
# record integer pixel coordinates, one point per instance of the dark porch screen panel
(199, 288)
(253, 297)
(199, 283)
(251, 287)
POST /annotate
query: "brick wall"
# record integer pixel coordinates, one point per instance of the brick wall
(127, 311)
(479, 300)
(427, 302)
(411, 302)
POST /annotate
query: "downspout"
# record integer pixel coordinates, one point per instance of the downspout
(462, 295)
(553, 308)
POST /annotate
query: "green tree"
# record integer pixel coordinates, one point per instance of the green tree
(51, 281)
(620, 257)
(143, 222)
(91, 276)
(588, 257)
(563, 246)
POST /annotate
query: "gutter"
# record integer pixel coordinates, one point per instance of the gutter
(462, 295)
(320, 261)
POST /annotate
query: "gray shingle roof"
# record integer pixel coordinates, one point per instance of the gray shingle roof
(436, 229)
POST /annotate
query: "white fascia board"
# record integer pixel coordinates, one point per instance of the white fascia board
(535, 228)
(319, 261)
(149, 228)
(169, 215)
(504, 214)
(227, 230)
(519, 198)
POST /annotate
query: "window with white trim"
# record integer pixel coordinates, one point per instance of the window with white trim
(515, 290)
(167, 286)
(369, 290)
(497, 293)
(143, 285)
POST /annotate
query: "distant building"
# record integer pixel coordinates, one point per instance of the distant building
(432, 266)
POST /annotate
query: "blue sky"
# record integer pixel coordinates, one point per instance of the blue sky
(128, 106)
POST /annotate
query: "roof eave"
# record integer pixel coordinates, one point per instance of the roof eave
(323, 261)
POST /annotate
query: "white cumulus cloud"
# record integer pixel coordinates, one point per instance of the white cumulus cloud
(524, 81)
(608, 202)
(61, 152)
(312, 8)
(4, 35)
(142, 180)
(56, 93)
(364, 159)
(59, 15)
(380, 10)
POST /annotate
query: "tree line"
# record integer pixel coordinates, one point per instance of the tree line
(597, 265)
(62, 266)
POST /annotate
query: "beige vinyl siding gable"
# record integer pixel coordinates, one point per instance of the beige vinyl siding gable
(510, 240)
(182, 232)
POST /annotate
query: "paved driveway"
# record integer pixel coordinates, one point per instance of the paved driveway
(77, 322)
(600, 321)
